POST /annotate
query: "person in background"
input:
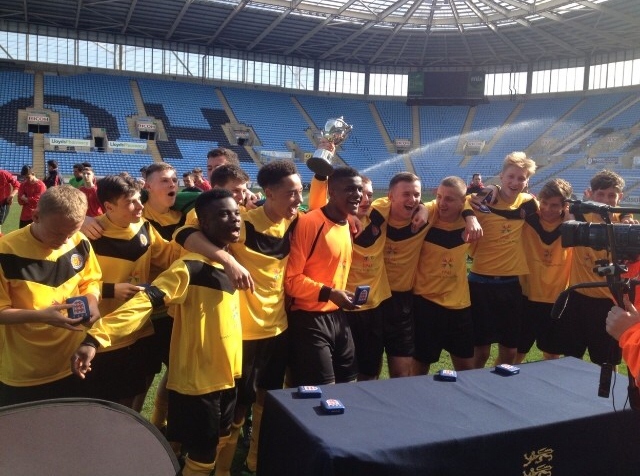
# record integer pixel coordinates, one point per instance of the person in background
(199, 181)
(29, 194)
(90, 189)
(189, 185)
(53, 178)
(475, 185)
(143, 175)
(223, 156)
(9, 187)
(220, 156)
(78, 179)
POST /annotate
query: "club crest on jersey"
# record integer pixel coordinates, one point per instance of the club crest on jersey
(144, 240)
(375, 231)
(76, 261)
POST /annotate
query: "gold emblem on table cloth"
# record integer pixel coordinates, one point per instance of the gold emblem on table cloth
(538, 463)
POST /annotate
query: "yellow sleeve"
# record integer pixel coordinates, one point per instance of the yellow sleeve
(133, 314)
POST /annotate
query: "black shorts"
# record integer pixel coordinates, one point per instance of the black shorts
(162, 327)
(196, 420)
(398, 324)
(439, 328)
(367, 332)
(582, 327)
(496, 310)
(536, 327)
(120, 373)
(67, 387)
(264, 362)
(321, 348)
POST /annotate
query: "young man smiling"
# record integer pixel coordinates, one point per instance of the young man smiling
(498, 260)
(322, 349)
(207, 330)
(582, 326)
(441, 301)
(549, 268)
(126, 250)
(263, 248)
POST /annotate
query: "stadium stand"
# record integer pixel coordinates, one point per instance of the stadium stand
(193, 116)
(110, 97)
(16, 93)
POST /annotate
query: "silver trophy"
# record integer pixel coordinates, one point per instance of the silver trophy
(335, 131)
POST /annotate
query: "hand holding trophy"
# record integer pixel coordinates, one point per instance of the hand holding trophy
(335, 132)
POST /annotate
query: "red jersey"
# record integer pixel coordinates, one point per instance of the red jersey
(94, 209)
(32, 191)
(8, 183)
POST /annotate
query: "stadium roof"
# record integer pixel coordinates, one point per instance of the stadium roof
(412, 33)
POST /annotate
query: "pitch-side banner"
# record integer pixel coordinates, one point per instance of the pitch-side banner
(117, 144)
(69, 142)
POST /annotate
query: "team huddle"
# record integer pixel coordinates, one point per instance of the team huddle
(243, 294)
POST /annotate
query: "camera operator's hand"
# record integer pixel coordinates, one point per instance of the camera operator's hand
(619, 320)
(628, 219)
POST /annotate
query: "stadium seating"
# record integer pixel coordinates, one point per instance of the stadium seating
(16, 93)
(105, 100)
(192, 115)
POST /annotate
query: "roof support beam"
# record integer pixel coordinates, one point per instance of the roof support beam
(178, 19)
(318, 27)
(227, 20)
(396, 29)
(274, 24)
(129, 15)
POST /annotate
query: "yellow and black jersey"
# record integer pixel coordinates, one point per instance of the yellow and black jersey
(319, 260)
(126, 256)
(549, 263)
(584, 261)
(401, 248)
(206, 342)
(263, 249)
(165, 223)
(367, 265)
(441, 275)
(35, 277)
(499, 252)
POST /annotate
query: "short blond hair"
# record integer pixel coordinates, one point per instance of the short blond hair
(520, 160)
(63, 200)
